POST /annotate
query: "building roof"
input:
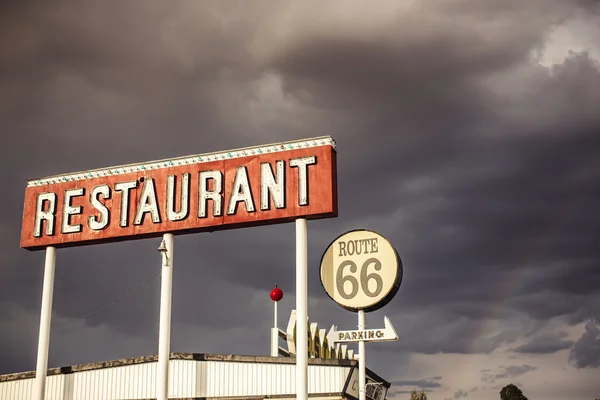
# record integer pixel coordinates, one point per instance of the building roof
(197, 375)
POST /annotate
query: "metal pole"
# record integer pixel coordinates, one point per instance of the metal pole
(275, 315)
(301, 310)
(164, 335)
(275, 333)
(39, 389)
(362, 361)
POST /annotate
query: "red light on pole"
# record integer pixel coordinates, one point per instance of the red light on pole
(276, 294)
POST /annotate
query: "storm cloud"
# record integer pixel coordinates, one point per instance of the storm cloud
(545, 344)
(467, 134)
(586, 352)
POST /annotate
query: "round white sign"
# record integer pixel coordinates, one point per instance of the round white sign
(361, 270)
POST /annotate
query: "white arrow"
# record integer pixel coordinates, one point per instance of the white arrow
(388, 333)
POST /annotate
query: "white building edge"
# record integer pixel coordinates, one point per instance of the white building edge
(198, 376)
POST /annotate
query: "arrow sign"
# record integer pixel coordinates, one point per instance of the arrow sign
(388, 333)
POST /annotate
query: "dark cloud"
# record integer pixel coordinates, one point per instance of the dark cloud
(512, 371)
(586, 352)
(460, 394)
(427, 383)
(460, 335)
(478, 163)
(545, 344)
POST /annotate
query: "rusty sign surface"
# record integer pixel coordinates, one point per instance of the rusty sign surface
(244, 187)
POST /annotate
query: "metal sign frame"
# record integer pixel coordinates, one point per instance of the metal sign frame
(43, 228)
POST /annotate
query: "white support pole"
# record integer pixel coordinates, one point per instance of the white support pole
(275, 333)
(275, 314)
(362, 361)
(301, 309)
(164, 335)
(39, 389)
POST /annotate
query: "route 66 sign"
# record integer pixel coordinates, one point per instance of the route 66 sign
(361, 270)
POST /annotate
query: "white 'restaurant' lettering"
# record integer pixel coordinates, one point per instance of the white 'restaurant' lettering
(147, 203)
(44, 215)
(94, 222)
(124, 188)
(215, 194)
(240, 192)
(271, 185)
(175, 196)
(302, 164)
(184, 204)
(69, 210)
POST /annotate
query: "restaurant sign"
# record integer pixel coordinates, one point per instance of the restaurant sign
(244, 187)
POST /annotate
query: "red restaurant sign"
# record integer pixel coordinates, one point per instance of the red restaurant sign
(252, 186)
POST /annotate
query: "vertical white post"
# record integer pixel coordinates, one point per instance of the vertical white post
(164, 335)
(362, 360)
(275, 333)
(39, 389)
(275, 314)
(301, 309)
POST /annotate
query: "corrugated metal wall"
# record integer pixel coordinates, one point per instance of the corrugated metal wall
(187, 379)
(246, 379)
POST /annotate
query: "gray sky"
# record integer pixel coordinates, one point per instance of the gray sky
(468, 133)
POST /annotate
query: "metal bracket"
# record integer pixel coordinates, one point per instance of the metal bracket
(162, 249)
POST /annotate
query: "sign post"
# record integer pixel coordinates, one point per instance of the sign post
(45, 320)
(301, 309)
(362, 366)
(164, 329)
(361, 271)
